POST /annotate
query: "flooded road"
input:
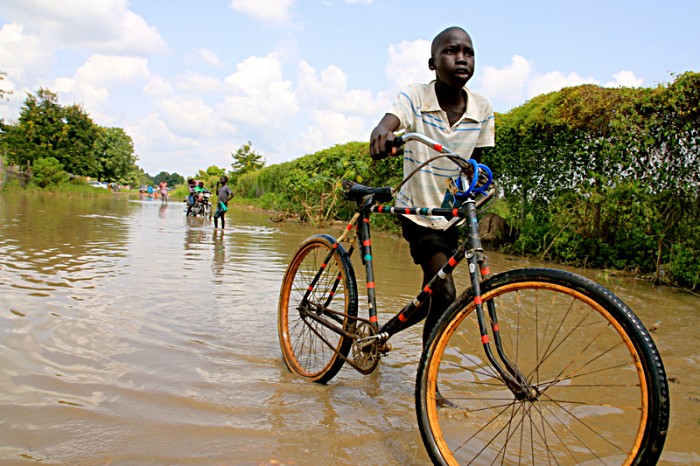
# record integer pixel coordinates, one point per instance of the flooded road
(130, 334)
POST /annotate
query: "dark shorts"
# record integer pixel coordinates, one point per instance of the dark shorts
(425, 242)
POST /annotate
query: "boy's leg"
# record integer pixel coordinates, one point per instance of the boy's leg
(442, 296)
(430, 249)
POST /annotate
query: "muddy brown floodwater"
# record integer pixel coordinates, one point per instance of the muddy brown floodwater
(130, 334)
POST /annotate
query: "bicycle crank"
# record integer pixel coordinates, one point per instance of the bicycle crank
(365, 349)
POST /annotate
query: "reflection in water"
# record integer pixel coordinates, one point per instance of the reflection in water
(130, 333)
(217, 265)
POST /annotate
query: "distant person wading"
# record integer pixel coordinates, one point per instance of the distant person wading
(223, 194)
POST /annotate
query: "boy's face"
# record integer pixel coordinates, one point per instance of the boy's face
(453, 61)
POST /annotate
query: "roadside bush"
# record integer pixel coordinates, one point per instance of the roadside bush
(48, 172)
(684, 265)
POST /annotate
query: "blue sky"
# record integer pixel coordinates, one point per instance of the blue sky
(191, 82)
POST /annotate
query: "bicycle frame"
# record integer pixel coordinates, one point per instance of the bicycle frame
(471, 249)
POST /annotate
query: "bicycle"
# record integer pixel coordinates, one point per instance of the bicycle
(537, 365)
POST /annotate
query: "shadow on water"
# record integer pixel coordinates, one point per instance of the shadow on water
(133, 334)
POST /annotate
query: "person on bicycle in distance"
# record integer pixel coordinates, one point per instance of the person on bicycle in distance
(191, 184)
(199, 191)
(448, 112)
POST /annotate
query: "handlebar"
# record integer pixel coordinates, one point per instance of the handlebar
(464, 185)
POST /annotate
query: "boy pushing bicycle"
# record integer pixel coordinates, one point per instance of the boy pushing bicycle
(448, 112)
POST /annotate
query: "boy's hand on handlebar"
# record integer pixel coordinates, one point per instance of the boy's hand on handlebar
(382, 146)
(382, 140)
(384, 154)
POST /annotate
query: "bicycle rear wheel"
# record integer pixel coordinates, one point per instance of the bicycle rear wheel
(600, 391)
(318, 302)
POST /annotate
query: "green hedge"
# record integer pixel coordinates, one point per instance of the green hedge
(591, 176)
(606, 177)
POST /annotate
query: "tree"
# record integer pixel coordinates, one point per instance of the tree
(246, 160)
(210, 176)
(172, 179)
(46, 129)
(4, 93)
(176, 179)
(212, 171)
(79, 134)
(141, 178)
(115, 154)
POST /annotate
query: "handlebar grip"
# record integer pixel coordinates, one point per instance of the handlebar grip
(397, 142)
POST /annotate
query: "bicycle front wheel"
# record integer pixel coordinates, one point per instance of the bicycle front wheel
(597, 388)
(317, 309)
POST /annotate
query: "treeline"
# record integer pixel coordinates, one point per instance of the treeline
(55, 142)
(591, 176)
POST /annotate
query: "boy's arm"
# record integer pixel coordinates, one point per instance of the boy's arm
(382, 137)
(476, 155)
(481, 153)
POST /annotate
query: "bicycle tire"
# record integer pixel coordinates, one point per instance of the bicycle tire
(301, 337)
(602, 393)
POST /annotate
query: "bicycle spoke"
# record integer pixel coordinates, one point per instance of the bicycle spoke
(585, 400)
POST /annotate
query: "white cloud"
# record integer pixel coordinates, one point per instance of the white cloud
(196, 83)
(153, 133)
(161, 148)
(112, 69)
(520, 81)
(189, 115)
(91, 96)
(104, 26)
(258, 93)
(329, 91)
(204, 56)
(157, 87)
(408, 63)
(92, 81)
(269, 11)
(157, 146)
(625, 79)
(555, 81)
(330, 128)
(22, 55)
(506, 84)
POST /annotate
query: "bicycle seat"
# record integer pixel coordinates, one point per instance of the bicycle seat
(356, 192)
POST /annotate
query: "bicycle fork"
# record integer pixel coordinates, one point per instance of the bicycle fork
(514, 379)
(478, 271)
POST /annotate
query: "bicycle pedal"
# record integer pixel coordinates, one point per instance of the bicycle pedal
(384, 347)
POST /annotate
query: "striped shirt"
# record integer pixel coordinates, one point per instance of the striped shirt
(418, 110)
